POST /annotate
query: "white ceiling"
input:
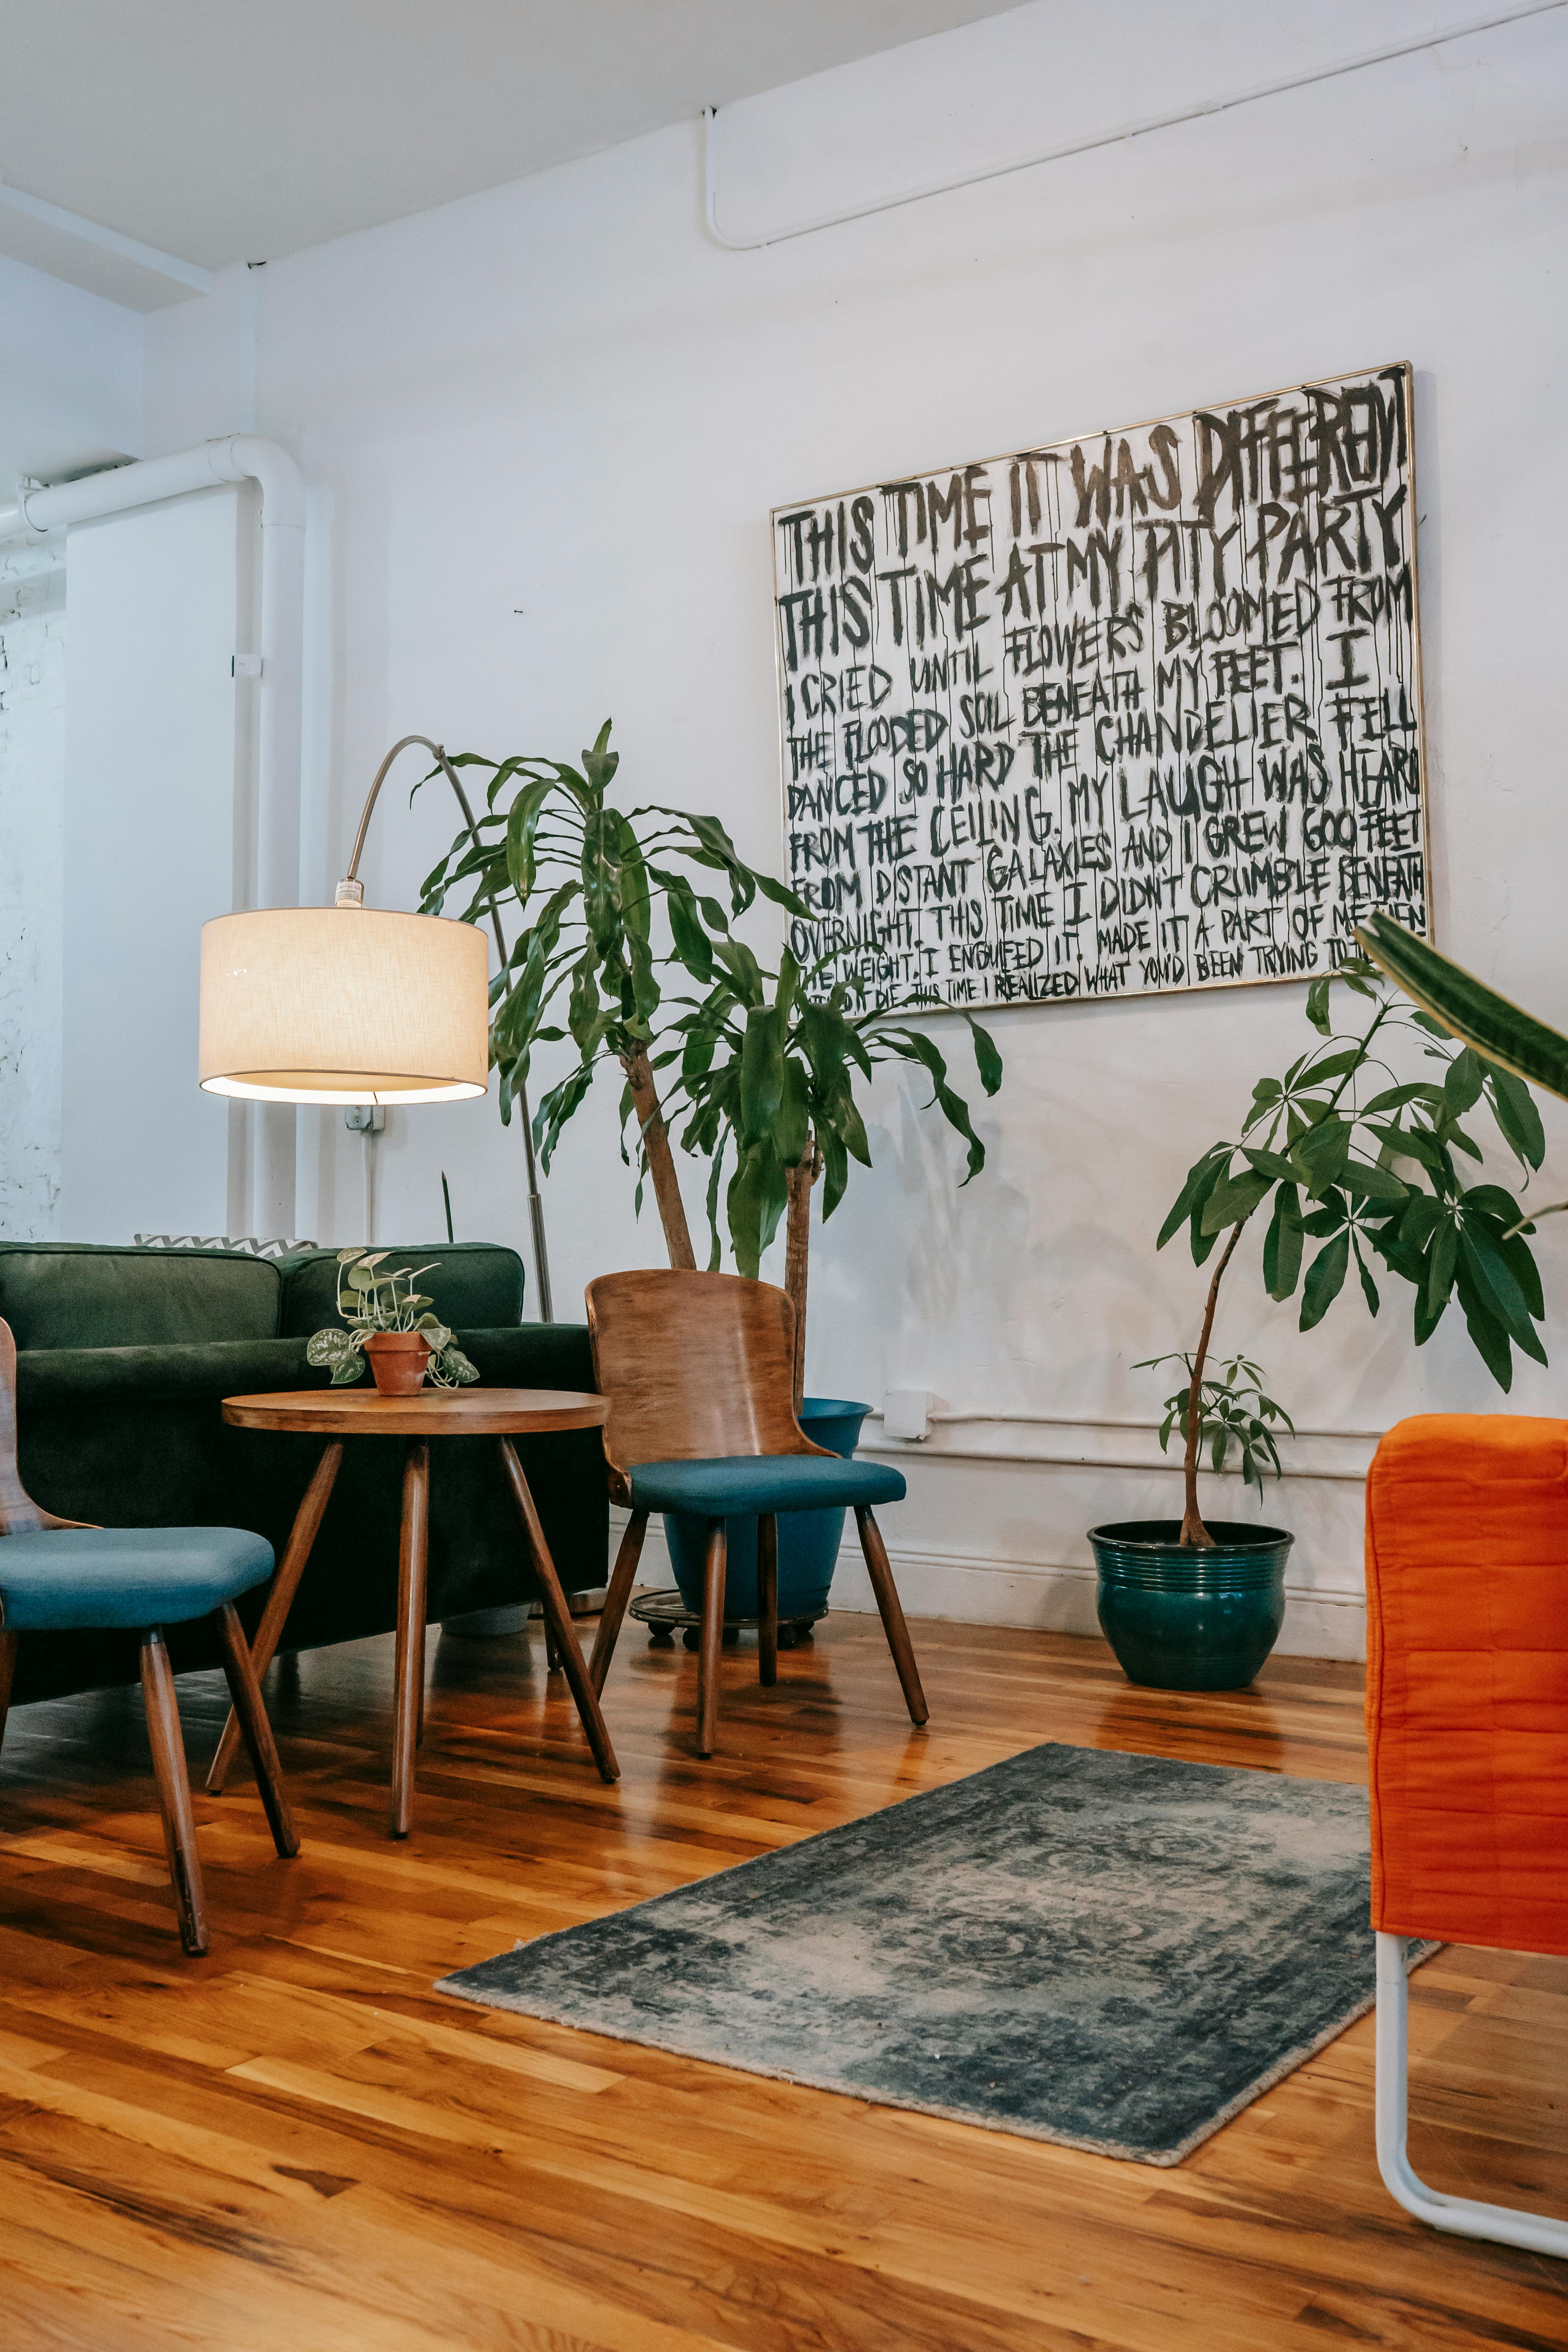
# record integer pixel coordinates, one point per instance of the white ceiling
(222, 132)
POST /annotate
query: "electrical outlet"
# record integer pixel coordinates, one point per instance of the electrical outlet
(363, 1119)
(905, 1412)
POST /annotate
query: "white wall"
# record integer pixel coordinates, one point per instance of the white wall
(70, 377)
(154, 748)
(32, 871)
(550, 423)
(70, 397)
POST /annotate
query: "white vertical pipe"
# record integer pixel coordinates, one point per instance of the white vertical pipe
(234, 457)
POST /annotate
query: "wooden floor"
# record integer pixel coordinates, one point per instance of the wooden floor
(294, 2145)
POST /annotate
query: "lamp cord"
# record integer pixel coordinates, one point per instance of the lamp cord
(535, 1205)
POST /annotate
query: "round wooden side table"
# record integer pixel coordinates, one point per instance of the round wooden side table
(335, 1414)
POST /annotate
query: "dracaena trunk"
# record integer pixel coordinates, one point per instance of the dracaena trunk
(661, 1159)
(797, 1253)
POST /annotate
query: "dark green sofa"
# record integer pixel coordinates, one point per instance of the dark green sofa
(124, 1357)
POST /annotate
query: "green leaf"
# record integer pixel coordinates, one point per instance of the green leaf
(754, 1203)
(792, 1121)
(1491, 1338)
(1466, 1007)
(1494, 1281)
(1462, 1085)
(1513, 1108)
(987, 1060)
(915, 1045)
(761, 1073)
(522, 824)
(1233, 1202)
(1318, 1006)
(1369, 1287)
(1325, 1277)
(1442, 1267)
(1372, 1183)
(1270, 1164)
(692, 944)
(1202, 1177)
(1282, 1245)
(1321, 1154)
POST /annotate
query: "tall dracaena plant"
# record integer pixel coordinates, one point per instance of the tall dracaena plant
(1370, 1170)
(587, 877)
(772, 1073)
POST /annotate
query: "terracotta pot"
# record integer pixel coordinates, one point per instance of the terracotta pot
(397, 1361)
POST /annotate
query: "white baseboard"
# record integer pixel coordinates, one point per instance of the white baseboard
(970, 1590)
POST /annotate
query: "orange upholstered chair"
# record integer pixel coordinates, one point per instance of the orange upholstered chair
(1467, 1709)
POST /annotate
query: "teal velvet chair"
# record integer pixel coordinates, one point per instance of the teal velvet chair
(699, 1372)
(125, 1355)
(58, 1575)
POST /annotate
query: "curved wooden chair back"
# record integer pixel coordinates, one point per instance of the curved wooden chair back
(19, 1515)
(696, 1367)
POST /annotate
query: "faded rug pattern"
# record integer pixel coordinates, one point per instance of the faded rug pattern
(1116, 1952)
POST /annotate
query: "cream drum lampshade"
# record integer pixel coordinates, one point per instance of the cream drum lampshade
(343, 1004)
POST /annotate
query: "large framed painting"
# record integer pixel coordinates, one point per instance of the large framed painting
(1126, 713)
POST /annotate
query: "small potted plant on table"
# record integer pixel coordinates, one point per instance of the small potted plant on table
(1194, 1606)
(386, 1319)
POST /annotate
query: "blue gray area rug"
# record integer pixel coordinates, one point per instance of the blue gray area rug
(1116, 1952)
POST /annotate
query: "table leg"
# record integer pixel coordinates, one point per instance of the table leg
(281, 1600)
(557, 1616)
(413, 1562)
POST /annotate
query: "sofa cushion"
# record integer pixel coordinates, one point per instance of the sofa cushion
(88, 1294)
(473, 1284)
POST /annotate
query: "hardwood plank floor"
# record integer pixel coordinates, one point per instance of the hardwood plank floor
(294, 2145)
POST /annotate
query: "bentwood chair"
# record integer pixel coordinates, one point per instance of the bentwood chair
(56, 1575)
(1467, 1703)
(699, 1372)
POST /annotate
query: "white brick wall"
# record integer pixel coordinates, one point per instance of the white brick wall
(32, 878)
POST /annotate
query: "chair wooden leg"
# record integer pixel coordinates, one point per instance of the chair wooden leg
(173, 1792)
(9, 1645)
(250, 1707)
(622, 1577)
(712, 1648)
(280, 1600)
(767, 1598)
(553, 1658)
(893, 1624)
(413, 1564)
(557, 1616)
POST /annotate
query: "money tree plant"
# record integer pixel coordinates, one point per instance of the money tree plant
(768, 1074)
(590, 963)
(1357, 1164)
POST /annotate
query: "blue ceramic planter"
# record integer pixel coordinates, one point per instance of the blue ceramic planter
(808, 1541)
(1190, 1619)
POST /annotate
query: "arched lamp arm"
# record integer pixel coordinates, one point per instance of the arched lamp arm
(350, 893)
(351, 889)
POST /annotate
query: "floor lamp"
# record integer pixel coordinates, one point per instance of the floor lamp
(351, 1003)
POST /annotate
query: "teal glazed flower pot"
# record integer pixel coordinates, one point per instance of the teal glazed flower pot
(1190, 1619)
(808, 1541)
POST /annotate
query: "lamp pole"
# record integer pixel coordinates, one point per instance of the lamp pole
(350, 893)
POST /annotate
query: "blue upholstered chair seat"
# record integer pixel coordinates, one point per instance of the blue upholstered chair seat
(57, 1578)
(733, 1485)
